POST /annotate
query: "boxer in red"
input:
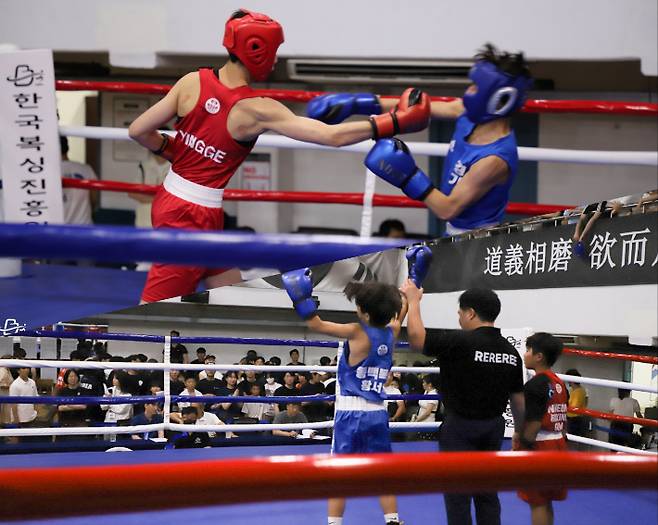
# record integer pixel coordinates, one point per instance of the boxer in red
(545, 420)
(219, 119)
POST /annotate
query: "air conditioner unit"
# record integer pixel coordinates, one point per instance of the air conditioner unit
(361, 71)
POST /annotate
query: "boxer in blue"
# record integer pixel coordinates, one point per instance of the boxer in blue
(481, 164)
(361, 419)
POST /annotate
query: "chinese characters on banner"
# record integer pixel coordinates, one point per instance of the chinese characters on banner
(619, 251)
(30, 160)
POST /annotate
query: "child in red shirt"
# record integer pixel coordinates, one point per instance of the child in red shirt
(545, 421)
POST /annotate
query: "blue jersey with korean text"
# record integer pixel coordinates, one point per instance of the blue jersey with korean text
(367, 378)
(461, 156)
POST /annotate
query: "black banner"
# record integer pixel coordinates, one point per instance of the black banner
(620, 251)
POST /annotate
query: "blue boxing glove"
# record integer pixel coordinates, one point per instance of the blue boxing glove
(334, 108)
(420, 259)
(391, 160)
(299, 286)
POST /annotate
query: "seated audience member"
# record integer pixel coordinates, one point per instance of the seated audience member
(621, 433)
(150, 416)
(260, 376)
(71, 415)
(176, 384)
(228, 411)
(245, 385)
(119, 414)
(294, 358)
(428, 408)
(203, 418)
(24, 414)
(210, 360)
(189, 416)
(276, 361)
(251, 357)
(313, 410)
(211, 385)
(396, 408)
(270, 388)
(287, 389)
(190, 390)
(254, 411)
(292, 414)
(392, 228)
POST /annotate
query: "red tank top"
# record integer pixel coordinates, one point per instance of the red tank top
(204, 151)
(556, 409)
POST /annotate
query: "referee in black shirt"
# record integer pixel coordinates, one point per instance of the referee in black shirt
(480, 372)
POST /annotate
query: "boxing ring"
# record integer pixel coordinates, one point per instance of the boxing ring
(174, 485)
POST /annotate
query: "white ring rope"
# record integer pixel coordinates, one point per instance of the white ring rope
(96, 365)
(632, 158)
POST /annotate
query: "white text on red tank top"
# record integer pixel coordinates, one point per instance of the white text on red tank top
(199, 146)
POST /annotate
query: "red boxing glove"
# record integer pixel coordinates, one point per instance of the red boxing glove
(412, 113)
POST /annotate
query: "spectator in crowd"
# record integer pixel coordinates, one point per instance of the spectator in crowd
(313, 410)
(260, 376)
(71, 415)
(229, 411)
(19, 353)
(6, 379)
(428, 408)
(92, 384)
(621, 433)
(291, 414)
(211, 385)
(576, 424)
(23, 414)
(276, 361)
(294, 358)
(200, 356)
(396, 408)
(189, 416)
(392, 229)
(150, 416)
(270, 387)
(190, 390)
(251, 357)
(78, 203)
(202, 418)
(249, 380)
(287, 389)
(176, 385)
(120, 414)
(254, 411)
(178, 352)
(152, 171)
(210, 360)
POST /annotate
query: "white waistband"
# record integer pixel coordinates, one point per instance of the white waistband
(192, 192)
(545, 435)
(348, 403)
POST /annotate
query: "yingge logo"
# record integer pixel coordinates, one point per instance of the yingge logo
(11, 327)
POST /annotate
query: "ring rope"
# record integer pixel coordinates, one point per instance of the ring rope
(287, 95)
(201, 248)
(260, 341)
(614, 417)
(304, 197)
(636, 158)
(130, 488)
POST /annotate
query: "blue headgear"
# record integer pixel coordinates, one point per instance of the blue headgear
(494, 86)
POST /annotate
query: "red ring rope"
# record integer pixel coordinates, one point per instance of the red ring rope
(307, 197)
(610, 355)
(129, 488)
(287, 95)
(614, 417)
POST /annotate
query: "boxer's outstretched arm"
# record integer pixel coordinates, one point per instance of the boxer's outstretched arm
(439, 110)
(344, 331)
(479, 179)
(274, 116)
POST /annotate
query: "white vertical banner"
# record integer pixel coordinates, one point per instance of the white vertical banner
(516, 336)
(366, 213)
(30, 158)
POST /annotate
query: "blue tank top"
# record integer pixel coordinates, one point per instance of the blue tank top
(367, 378)
(461, 156)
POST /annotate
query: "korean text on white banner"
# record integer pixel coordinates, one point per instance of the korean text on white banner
(29, 143)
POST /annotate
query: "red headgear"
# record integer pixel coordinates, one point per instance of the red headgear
(254, 39)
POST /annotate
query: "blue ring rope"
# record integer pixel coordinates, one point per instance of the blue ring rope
(145, 338)
(199, 248)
